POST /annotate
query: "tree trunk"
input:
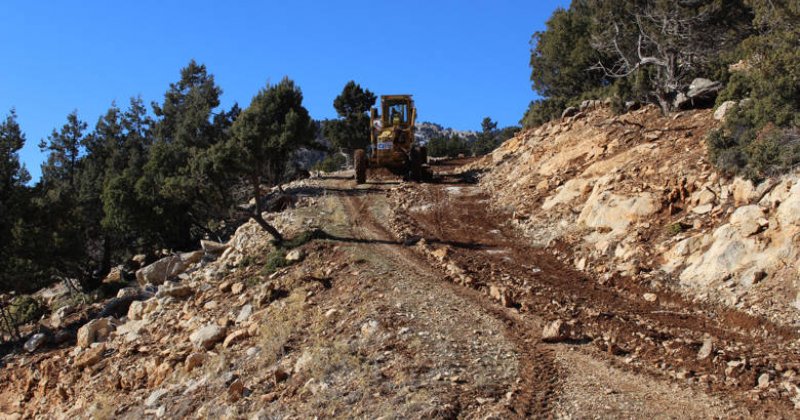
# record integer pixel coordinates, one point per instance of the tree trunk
(257, 215)
(664, 103)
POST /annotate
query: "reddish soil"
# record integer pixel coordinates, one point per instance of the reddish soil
(610, 317)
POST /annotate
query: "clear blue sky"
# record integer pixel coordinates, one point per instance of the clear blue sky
(462, 60)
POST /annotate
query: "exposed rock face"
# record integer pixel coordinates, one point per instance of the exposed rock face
(607, 210)
(168, 267)
(635, 194)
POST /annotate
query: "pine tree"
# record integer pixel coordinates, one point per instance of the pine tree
(351, 130)
(265, 135)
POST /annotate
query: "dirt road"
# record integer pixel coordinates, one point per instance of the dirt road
(419, 301)
(627, 350)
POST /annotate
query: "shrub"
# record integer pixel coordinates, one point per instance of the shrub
(25, 309)
(760, 137)
(332, 163)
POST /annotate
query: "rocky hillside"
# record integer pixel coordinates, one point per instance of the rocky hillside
(429, 130)
(635, 195)
(599, 266)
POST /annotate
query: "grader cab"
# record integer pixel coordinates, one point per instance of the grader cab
(392, 143)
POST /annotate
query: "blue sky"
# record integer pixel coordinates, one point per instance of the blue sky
(462, 60)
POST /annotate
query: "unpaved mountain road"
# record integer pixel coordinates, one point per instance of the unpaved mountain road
(628, 350)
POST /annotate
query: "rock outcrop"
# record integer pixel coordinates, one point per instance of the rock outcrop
(167, 268)
(636, 195)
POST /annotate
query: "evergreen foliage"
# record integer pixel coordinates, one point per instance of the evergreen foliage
(351, 130)
(265, 136)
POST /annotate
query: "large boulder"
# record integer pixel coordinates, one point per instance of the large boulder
(168, 267)
(748, 219)
(789, 210)
(701, 91)
(94, 331)
(723, 110)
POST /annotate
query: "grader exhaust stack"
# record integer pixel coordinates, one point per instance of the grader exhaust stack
(392, 144)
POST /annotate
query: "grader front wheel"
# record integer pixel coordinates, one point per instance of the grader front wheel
(360, 163)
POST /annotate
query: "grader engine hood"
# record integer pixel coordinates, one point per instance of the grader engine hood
(392, 141)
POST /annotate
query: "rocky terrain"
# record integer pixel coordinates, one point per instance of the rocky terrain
(635, 196)
(428, 130)
(595, 267)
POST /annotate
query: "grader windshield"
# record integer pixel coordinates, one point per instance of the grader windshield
(395, 112)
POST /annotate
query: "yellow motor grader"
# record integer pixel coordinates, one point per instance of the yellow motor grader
(392, 143)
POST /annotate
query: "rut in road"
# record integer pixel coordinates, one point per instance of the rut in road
(660, 338)
(538, 387)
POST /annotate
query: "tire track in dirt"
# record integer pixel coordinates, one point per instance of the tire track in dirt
(665, 335)
(539, 386)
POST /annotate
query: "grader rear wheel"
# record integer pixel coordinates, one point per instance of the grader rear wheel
(416, 165)
(360, 163)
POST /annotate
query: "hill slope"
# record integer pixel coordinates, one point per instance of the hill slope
(635, 195)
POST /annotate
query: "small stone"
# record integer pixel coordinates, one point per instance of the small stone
(280, 375)
(441, 253)
(706, 349)
(763, 381)
(194, 360)
(35, 342)
(128, 293)
(210, 305)
(650, 297)
(90, 357)
(723, 110)
(207, 337)
(369, 328)
(236, 390)
(703, 209)
(176, 290)
(555, 331)
(234, 337)
(244, 314)
(237, 288)
(295, 255)
(212, 248)
(136, 310)
(502, 295)
(156, 395)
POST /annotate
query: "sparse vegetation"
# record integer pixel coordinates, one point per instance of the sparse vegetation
(332, 163)
(676, 228)
(761, 136)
